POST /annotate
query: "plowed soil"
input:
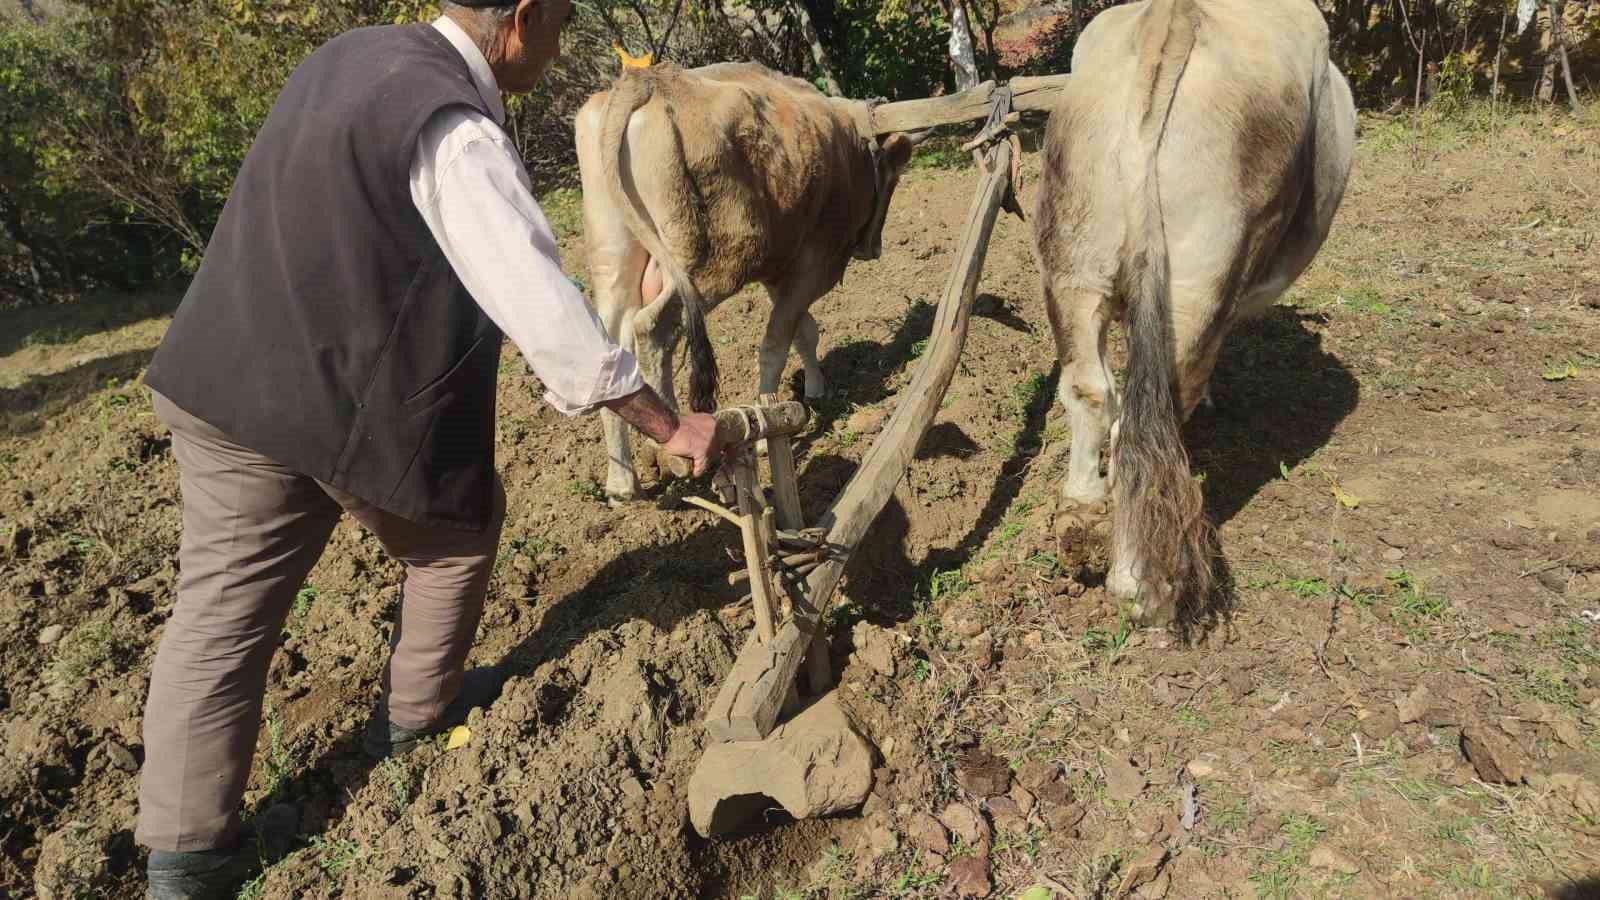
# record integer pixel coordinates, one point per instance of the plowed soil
(1401, 700)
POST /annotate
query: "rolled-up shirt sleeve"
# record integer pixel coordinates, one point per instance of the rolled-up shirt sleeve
(473, 192)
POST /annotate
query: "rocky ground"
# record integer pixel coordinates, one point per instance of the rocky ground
(1401, 700)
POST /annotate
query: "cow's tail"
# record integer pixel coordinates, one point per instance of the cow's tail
(632, 91)
(1160, 514)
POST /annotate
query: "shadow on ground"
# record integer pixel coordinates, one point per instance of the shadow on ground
(1279, 397)
(26, 407)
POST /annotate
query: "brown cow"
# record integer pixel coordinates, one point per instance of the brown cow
(698, 182)
(1192, 170)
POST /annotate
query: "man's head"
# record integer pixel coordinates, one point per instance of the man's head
(520, 38)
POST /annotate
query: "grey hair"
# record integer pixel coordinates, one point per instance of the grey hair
(484, 16)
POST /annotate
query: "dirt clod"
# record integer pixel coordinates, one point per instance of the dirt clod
(1493, 754)
(1007, 815)
(967, 824)
(1414, 705)
(1579, 792)
(72, 864)
(1124, 781)
(927, 833)
(874, 648)
(1143, 870)
(969, 876)
(49, 635)
(982, 774)
(1333, 861)
(981, 651)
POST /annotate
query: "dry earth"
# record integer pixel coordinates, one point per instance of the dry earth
(1403, 464)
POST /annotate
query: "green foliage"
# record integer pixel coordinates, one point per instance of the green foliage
(893, 48)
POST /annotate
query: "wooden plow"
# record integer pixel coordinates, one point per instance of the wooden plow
(814, 763)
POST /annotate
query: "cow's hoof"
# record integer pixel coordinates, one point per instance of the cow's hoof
(1096, 495)
(1147, 605)
(622, 490)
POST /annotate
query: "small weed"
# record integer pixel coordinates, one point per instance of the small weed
(1230, 815)
(919, 670)
(335, 856)
(919, 348)
(914, 881)
(1280, 877)
(563, 207)
(1548, 686)
(81, 545)
(1479, 877)
(1009, 532)
(848, 438)
(303, 599)
(1306, 588)
(253, 889)
(1025, 393)
(945, 583)
(1412, 603)
(1109, 643)
(589, 489)
(83, 652)
(1268, 575)
(1045, 564)
(398, 779)
(1095, 874)
(280, 756)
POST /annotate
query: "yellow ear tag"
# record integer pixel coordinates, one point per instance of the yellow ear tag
(633, 62)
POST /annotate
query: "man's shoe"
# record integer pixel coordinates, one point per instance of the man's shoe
(479, 688)
(196, 874)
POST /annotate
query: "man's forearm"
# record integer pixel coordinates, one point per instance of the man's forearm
(644, 410)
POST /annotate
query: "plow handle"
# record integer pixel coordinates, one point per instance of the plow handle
(748, 424)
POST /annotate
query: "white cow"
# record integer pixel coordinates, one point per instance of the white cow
(1192, 168)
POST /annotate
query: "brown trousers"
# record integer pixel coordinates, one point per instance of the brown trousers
(252, 530)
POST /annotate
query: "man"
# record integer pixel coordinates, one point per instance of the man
(337, 353)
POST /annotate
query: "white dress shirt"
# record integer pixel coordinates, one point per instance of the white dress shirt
(469, 183)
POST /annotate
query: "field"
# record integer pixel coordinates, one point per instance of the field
(1404, 465)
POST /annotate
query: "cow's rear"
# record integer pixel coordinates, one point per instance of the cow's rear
(1192, 169)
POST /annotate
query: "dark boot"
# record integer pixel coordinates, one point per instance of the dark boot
(195, 874)
(479, 688)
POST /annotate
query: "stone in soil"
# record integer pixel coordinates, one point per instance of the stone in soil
(813, 765)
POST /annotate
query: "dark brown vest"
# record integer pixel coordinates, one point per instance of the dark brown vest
(325, 329)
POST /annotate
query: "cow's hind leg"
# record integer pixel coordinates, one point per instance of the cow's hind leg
(616, 268)
(1200, 318)
(1079, 318)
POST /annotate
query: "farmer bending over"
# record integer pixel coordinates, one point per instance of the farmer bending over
(337, 353)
